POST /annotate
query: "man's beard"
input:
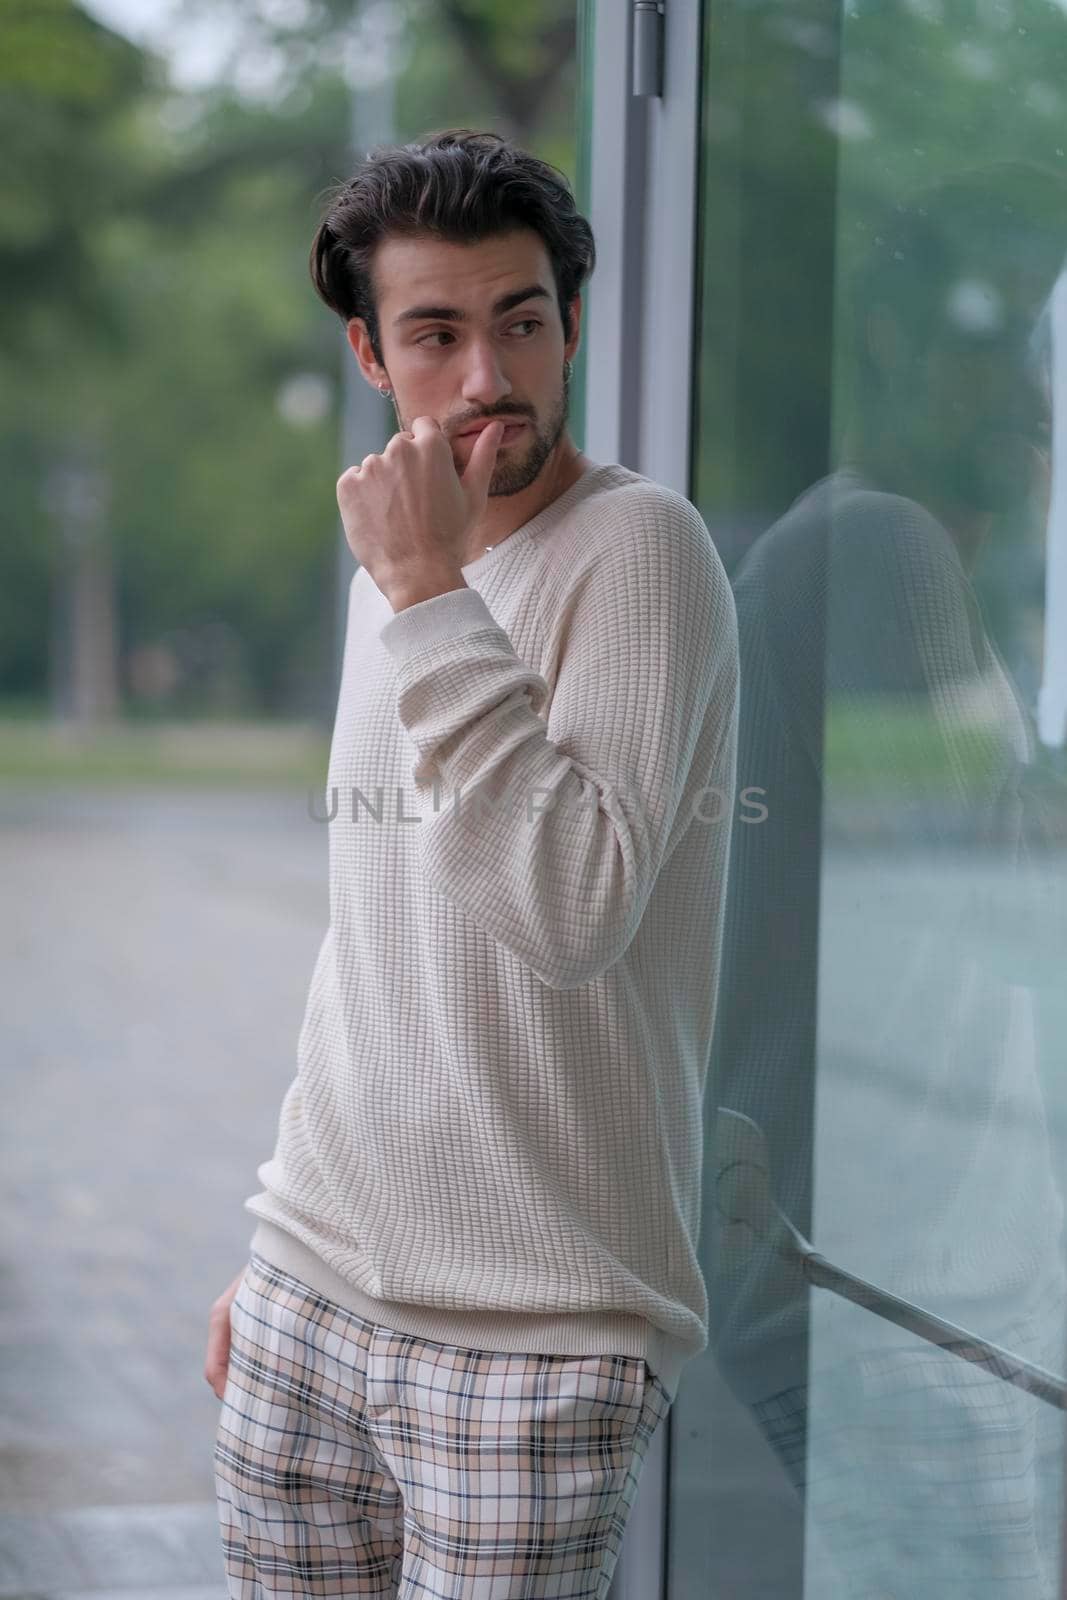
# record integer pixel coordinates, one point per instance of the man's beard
(515, 471)
(511, 476)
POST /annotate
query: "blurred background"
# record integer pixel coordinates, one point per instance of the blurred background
(175, 409)
(173, 391)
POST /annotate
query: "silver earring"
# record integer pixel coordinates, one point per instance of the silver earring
(568, 370)
(385, 392)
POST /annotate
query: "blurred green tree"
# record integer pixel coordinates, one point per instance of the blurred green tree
(159, 323)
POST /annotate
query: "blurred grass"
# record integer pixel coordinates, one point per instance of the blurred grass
(206, 752)
(890, 744)
(871, 747)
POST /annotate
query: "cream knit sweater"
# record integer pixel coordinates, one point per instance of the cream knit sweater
(494, 1136)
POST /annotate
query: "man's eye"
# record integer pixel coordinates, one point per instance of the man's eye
(443, 333)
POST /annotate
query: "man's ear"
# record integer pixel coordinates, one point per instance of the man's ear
(359, 339)
(570, 347)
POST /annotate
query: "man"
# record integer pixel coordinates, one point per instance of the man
(473, 1284)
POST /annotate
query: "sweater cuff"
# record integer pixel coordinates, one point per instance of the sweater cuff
(443, 616)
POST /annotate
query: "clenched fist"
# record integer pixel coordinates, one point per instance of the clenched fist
(408, 513)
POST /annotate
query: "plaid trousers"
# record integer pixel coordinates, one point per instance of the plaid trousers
(351, 1459)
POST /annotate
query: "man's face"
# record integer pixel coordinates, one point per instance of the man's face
(483, 362)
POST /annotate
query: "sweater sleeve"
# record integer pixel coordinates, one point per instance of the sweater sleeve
(549, 832)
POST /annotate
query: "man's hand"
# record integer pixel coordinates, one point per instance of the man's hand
(217, 1360)
(408, 514)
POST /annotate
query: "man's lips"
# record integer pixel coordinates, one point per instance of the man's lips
(510, 430)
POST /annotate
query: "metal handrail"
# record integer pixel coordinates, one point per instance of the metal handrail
(744, 1200)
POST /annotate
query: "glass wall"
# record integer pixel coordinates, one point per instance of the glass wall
(880, 453)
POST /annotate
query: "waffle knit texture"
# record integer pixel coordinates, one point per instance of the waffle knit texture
(494, 1135)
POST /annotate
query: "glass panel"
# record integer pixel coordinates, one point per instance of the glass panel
(585, 52)
(880, 454)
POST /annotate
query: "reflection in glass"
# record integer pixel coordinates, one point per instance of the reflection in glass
(891, 1011)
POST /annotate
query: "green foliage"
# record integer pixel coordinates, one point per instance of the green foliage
(817, 120)
(157, 308)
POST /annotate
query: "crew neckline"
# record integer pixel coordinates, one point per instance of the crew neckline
(521, 535)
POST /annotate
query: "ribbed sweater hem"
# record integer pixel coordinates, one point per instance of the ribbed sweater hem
(578, 1333)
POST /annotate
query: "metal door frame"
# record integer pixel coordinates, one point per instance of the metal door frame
(641, 195)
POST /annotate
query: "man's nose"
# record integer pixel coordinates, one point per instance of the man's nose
(485, 380)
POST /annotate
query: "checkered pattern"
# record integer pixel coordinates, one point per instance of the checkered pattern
(351, 1459)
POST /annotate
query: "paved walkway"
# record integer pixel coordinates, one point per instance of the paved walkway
(154, 961)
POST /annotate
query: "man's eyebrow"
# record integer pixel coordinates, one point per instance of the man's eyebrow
(515, 297)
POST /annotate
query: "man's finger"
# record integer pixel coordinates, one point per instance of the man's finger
(480, 463)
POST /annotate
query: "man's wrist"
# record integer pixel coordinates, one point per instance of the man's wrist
(425, 588)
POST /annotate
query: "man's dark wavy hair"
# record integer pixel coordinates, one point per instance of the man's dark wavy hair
(459, 186)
